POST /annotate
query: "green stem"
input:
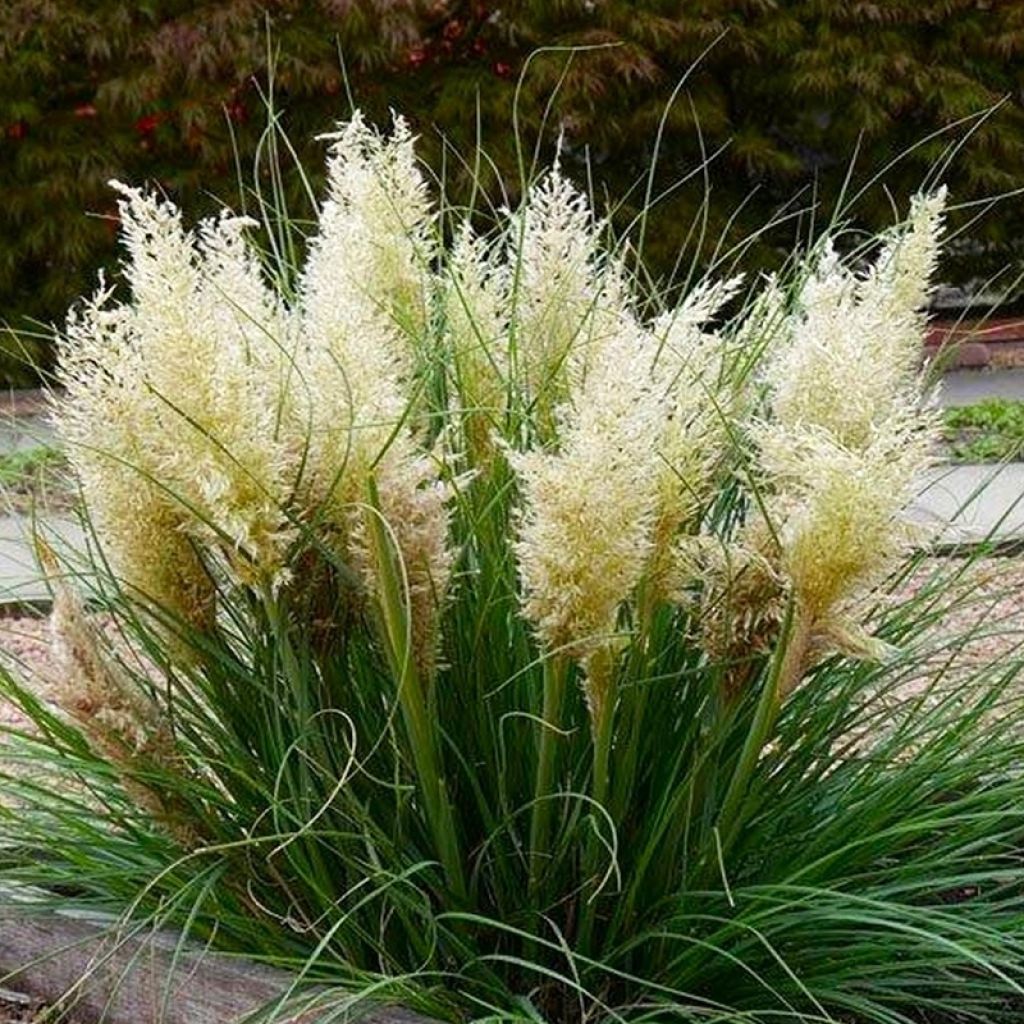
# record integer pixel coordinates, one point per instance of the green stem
(556, 670)
(603, 678)
(603, 684)
(419, 726)
(634, 705)
(787, 668)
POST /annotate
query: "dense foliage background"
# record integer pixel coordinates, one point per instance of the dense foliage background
(169, 90)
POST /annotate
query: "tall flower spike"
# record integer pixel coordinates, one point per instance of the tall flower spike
(105, 420)
(353, 367)
(589, 508)
(898, 285)
(475, 296)
(850, 361)
(850, 434)
(691, 370)
(355, 355)
(250, 367)
(349, 398)
(559, 303)
(377, 216)
(211, 363)
(839, 523)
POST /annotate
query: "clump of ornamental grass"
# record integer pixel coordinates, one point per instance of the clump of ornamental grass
(497, 636)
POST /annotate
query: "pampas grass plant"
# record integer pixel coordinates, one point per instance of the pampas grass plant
(489, 632)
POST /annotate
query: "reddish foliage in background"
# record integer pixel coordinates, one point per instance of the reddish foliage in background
(783, 97)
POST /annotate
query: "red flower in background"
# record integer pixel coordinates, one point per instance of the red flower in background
(17, 130)
(147, 124)
(416, 57)
(236, 111)
(501, 69)
(86, 110)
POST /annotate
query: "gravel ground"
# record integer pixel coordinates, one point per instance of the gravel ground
(18, 1009)
(25, 640)
(14, 1010)
(986, 598)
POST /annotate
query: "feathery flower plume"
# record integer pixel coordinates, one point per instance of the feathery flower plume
(585, 536)
(849, 361)
(352, 359)
(475, 298)
(898, 284)
(106, 422)
(565, 300)
(849, 435)
(839, 526)
(362, 296)
(701, 305)
(701, 402)
(203, 334)
(240, 467)
(378, 214)
(353, 365)
(119, 721)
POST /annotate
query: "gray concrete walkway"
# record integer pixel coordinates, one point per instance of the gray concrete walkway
(966, 503)
(20, 577)
(21, 433)
(964, 387)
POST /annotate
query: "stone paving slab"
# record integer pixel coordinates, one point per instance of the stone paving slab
(967, 503)
(21, 433)
(20, 578)
(964, 387)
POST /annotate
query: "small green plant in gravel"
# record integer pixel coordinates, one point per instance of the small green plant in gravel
(35, 478)
(21, 469)
(491, 632)
(991, 430)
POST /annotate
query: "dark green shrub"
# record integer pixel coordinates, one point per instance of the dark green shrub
(164, 90)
